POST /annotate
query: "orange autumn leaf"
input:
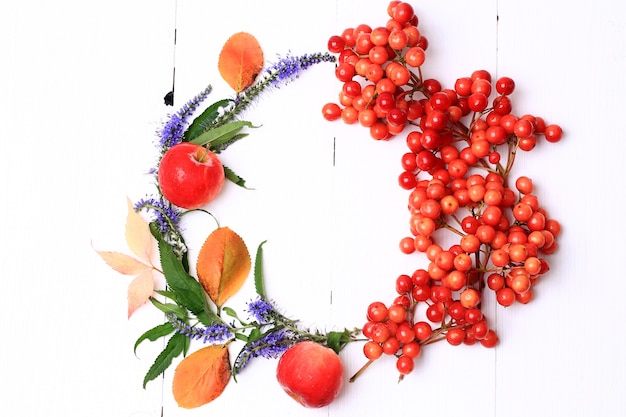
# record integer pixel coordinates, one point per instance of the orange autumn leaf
(138, 236)
(240, 61)
(223, 264)
(201, 377)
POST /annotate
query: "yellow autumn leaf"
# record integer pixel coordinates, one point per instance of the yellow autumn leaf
(140, 290)
(223, 264)
(201, 377)
(138, 236)
(122, 263)
(240, 61)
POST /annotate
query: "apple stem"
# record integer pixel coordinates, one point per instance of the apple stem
(201, 154)
(360, 371)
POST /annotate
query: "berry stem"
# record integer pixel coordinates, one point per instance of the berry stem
(360, 371)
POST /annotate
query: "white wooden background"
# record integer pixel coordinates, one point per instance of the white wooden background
(81, 87)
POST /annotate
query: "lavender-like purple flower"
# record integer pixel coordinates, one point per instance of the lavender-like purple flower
(216, 333)
(270, 346)
(174, 128)
(192, 105)
(166, 216)
(261, 310)
(172, 131)
(273, 344)
(290, 67)
(283, 71)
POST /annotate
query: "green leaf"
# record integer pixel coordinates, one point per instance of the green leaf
(208, 317)
(186, 344)
(168, 294)
(188, 290)
(169, 308)
(175, 346)
(234, 178)
(255, 335)
(154, 229)
(217, 148)
(198, 126)
(232, 313)
(222, 134)
(245, 354)
(338, 340)
(155, 333)
(240, 336)
(259, 285)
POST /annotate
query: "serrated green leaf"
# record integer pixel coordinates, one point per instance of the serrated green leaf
(188, 290)
(167, 294)
(169, 308)
(217, 148)
(259, 284)
(197, 127)
(175, 346)
(220, 135)
(154, 229)
(153, 334)
(208, 317)
(186, 344)
(234, 178)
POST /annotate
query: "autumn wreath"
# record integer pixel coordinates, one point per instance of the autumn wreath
(462, 143)
(190, 175)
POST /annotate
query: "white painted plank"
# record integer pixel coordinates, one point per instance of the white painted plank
(82, 94)
(561, 354)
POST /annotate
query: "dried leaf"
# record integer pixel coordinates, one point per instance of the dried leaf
(123, 263)
(240, 61)
(223, 264)
(139, 291)
(201, 377)
(138, 236)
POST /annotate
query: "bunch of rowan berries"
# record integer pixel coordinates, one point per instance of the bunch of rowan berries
(462, 143)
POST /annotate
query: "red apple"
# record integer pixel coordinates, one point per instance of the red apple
(310, 373)
(190, 176)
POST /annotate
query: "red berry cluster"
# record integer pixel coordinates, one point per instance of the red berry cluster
(462, 143)
(374, 66)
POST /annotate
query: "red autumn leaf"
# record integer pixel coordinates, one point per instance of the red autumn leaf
(240, 61)
(223, 264)
(201, 377)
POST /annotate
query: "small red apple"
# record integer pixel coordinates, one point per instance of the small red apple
(190, 176)
(310, 373)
